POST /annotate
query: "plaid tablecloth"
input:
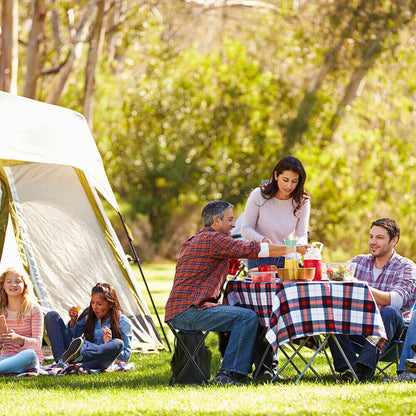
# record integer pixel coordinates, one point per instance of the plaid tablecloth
(255, 296)
(296, 310)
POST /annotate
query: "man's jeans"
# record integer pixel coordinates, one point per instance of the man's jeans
(240, 322)
(97, 356)
(410, 340)
(368, 354)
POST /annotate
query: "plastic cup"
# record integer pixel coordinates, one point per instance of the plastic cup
(233, 266)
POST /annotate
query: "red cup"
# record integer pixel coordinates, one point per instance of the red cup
(233, 266)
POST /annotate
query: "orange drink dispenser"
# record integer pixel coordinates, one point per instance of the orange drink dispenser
(291, 259)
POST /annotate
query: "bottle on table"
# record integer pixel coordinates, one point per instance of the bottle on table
(291, 259)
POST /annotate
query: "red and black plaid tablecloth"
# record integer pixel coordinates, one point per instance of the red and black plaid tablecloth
(296, 310)
(255, 296)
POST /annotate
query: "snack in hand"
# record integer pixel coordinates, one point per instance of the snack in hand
(3, 326)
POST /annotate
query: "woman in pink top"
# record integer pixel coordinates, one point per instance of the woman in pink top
(21, 324)
(278, 210)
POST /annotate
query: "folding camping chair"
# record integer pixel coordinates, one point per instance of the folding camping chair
(389, 357)
(191, 360)
(393, 352)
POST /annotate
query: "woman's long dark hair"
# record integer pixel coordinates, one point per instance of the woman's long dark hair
(107, 292)
(299, 195)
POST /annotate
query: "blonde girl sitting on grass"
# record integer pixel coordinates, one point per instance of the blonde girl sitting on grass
(21, 324)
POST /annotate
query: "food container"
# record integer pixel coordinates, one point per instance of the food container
(292, 275)
(263, 277)
(338, 271)
(263, 268)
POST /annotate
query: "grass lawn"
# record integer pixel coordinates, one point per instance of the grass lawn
(146, 390)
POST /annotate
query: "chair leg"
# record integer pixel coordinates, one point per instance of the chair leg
(391, 356)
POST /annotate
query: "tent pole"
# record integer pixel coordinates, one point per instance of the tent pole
(137, 261)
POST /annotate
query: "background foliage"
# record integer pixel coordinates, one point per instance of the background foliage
(196, 100)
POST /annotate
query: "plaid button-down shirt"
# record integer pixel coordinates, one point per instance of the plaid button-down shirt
(202, 269)
(398, 275)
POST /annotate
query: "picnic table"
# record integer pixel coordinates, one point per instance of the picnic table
(304, 310)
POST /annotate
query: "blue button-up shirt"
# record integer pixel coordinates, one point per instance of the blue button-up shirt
(125, 328)
(398, 275)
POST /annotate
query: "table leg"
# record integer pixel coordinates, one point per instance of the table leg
(313, 357)
(303, 358)
(344, 356)
(334, 375)
(320, 348)
(287, 358)
(290, 361)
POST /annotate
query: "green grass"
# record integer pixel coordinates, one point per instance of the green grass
(146, 390)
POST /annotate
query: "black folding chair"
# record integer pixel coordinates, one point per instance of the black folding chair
(392, 354)
(194, 365)
(394, 350)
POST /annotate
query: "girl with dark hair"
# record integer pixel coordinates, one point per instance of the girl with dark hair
(97, 337)
(278, 210)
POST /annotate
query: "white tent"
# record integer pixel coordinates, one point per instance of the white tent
(52, 222)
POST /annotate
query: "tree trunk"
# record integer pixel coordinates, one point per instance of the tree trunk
(116, 18)
(298, 126)
(93, 54)
(33, 56)
(9, 38)
(55, 26)
(74, 54)
(373, 52)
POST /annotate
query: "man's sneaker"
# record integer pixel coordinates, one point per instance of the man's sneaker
(264, 376)
(364, 373)
(347, 376)
(410, 365)
(73, 353)
(267, 375)
(230, 378)
(402, 377)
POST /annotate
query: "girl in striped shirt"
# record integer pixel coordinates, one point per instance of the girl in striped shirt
(21, 324)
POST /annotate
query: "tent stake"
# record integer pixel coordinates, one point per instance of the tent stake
(137, 261)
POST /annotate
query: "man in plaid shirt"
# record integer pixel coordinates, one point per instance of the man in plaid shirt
(391, 278)
(200, 275)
